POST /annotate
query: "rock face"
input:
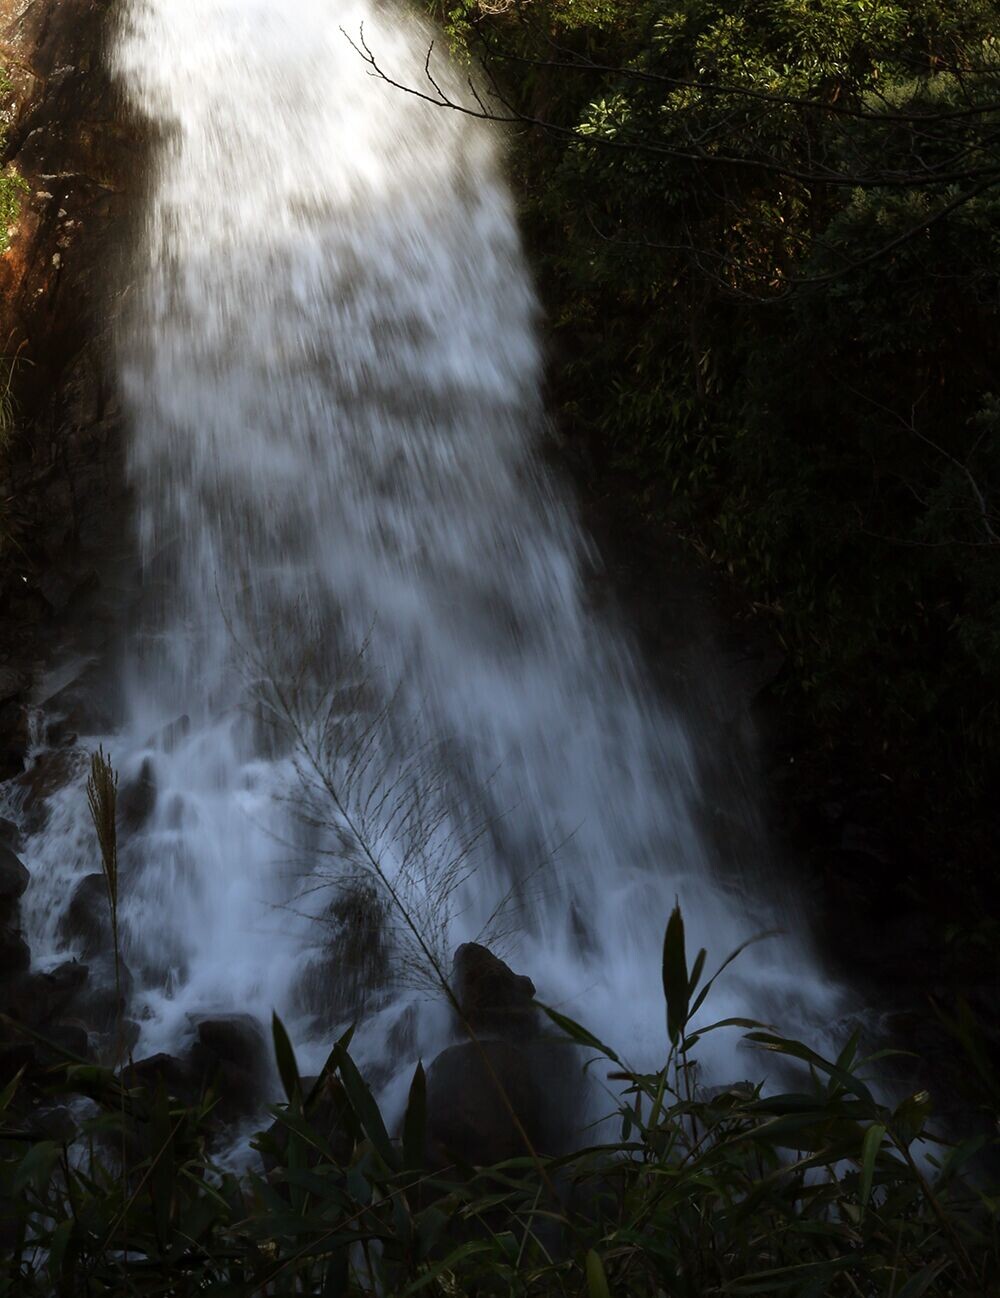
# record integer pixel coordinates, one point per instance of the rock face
(14, 878)
(493, 998)
(471, 1090)
(510, 1086)
(230, 1055)
(61, 473)
(87, 921)
(137, 799)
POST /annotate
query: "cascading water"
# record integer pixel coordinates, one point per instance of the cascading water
(331, 371)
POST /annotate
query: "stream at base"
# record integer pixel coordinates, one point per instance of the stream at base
(364, 663)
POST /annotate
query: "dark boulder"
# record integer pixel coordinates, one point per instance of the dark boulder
(176, 1075)
(66, 1038)
(10, 835)
(47, 774)
(14, 879)
(104, 1002)
(230, 1055)
(15, 739)
(492, 997)
(86, 924)
(471, 1090)
(137, 799)
(15, 954)
(35, 998)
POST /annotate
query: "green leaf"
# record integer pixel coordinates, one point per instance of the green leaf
(57, 1245)
(789, 1277)
(676, 983)
(285, 1056)
(35, 1167)
(415, 1121)
(919, 1284)
(869, 1152)
(784, 1046)
(911, 1115)
(696, 971)
(580, 1035)
(597, 1281)
(10, 1090)
(363, 1103)
(330, 1066)
(448, 1263)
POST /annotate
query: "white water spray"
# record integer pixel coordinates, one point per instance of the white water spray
(332, 378)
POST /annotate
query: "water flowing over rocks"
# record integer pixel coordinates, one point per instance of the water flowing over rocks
(329, 372)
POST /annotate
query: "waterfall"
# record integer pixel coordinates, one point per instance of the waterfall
(331, 369)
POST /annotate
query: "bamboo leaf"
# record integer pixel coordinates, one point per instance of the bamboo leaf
(415, 1121)
(597, 1281)
(580, 1035)
(676, 984)
(285, 1056)
(869, 1152)
(363, 1103)
(447, 1264)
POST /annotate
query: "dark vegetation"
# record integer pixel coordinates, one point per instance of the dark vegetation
(767, 238)
(818, 1190)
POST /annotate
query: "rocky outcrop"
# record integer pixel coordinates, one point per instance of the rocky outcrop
(86, 924)
(510, 1088)
(14, 878)
(60, 474)
(493, 998)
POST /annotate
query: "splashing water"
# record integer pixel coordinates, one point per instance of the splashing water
(331, 372)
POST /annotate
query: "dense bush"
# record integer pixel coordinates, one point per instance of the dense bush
(768, 238)
(821, 1190)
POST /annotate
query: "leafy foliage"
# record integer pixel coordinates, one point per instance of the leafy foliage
(768, 239)
(818, 1190)
(12, 185)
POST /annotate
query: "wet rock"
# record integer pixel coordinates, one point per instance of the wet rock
(176, 1075)
(137, 799)
(12, 683)
(103, 1002)
(492, 997)
(47, 774)
(14, 878)
(230, 1055)
(469, 1102)
(15, 739)
(67, 1038)
(10, 835)
(15, 954)
(35, 998)
(79, 708)
(86, 925)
